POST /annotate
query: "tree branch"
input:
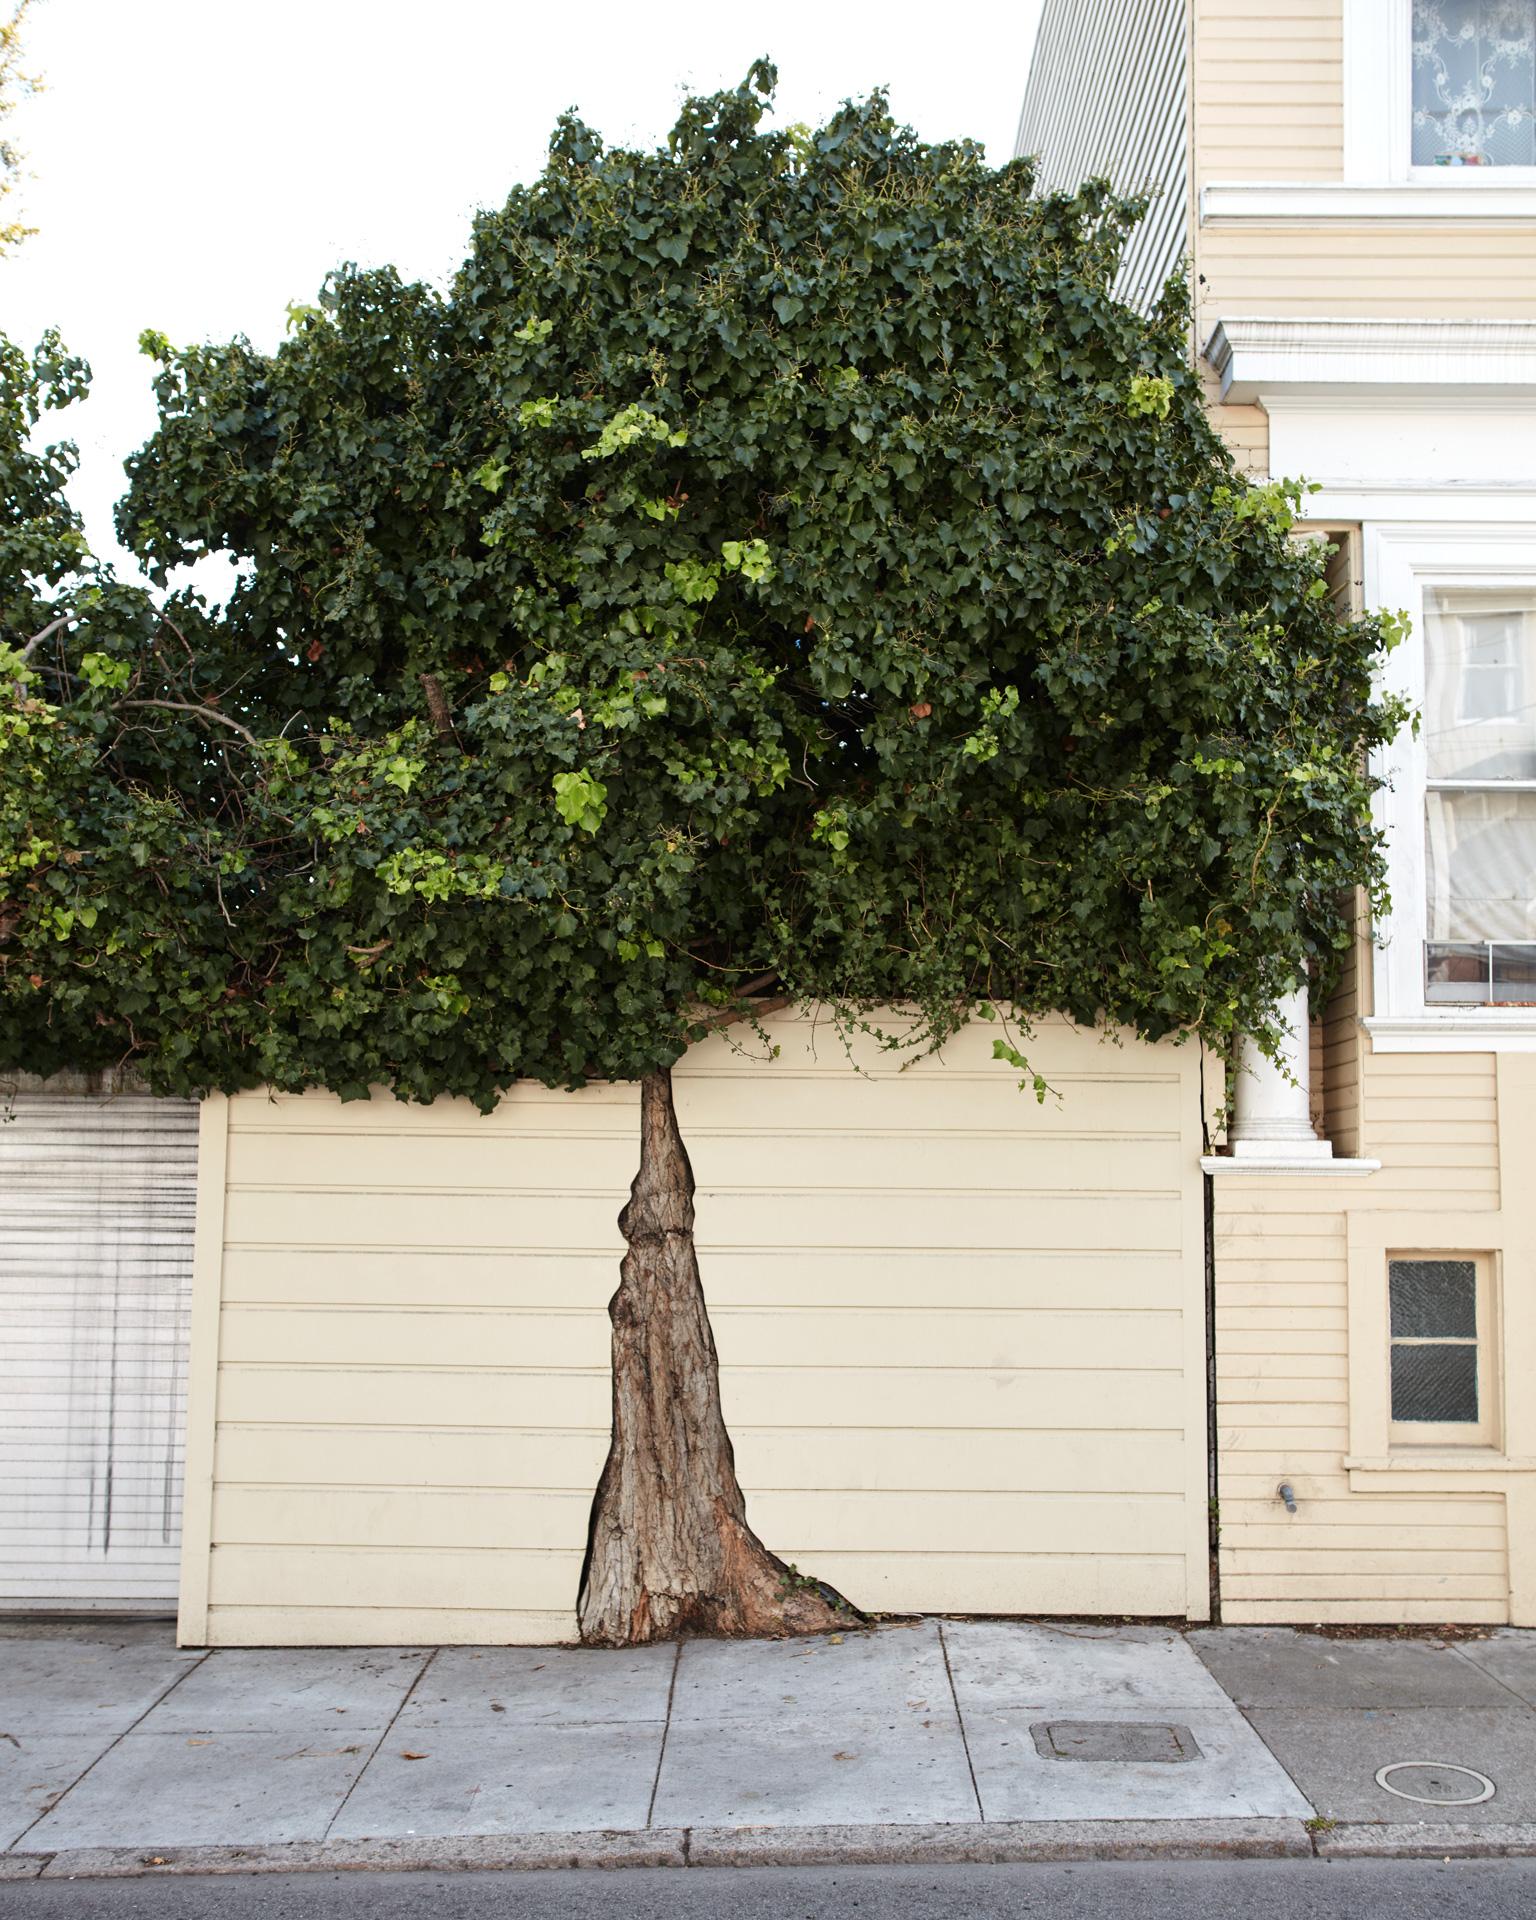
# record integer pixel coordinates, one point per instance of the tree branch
(437, 705)
(38, 638)
(728, 1016)
(201, 713)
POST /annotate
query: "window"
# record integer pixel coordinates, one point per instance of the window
(1479, 732)
(1456, 966)
(1474, 84)
(1440, 1322)
(1440, 94)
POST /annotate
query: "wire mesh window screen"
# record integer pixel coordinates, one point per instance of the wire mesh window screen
(1433, 1306)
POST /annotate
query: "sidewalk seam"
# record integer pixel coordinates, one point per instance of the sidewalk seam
(111, 1747)
(949, 1675)
(389, 1727)
(661, 1751)
(1478, 1667)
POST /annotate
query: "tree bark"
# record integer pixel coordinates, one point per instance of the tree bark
(670, 1551)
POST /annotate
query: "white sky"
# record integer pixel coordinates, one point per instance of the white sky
(199, 163)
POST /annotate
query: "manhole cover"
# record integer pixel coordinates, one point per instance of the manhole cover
(1113, 1740)
(1435, 1783)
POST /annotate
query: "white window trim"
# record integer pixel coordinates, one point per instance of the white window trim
(1400, 561)
(1378, 100)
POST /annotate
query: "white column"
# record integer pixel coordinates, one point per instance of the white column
(1271, 1099)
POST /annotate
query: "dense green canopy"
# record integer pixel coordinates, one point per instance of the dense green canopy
(777, 562)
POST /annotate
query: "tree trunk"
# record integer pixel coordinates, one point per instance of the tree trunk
(670, 1551)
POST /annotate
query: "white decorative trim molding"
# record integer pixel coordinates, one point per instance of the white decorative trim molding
(1485, 1031)
(1256, 356)
(1467, 195)
(1292, 1166)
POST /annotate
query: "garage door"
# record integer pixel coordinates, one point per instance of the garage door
(96, 1211)
(961, 1337)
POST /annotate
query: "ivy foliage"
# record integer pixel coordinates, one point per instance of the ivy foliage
(776, 563)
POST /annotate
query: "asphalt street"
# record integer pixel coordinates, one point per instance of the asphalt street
(1192, 1890)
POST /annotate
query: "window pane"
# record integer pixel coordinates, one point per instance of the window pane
(1456, 975)
(1480, 683)
(1474, 83)
(1514, 976)
(1433, 1299)
(1434, 1383)
(1480, 866)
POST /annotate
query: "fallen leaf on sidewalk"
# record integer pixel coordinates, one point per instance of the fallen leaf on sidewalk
(845, 1756)
(406, 1754)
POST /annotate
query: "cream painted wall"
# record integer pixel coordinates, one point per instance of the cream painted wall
(961, 1335)
(1268, 105)
(1382, 1533)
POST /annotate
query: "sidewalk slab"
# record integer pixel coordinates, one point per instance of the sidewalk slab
(313, 1691)
(1509, 1657)
(509, 1777)
(1011, 1677)
(34, 1771)
(907, 1765)
(541, 1686)
(165, 1789)
(96, 1684)
(1279, 1667)
(896, 1669)
(1334, 1754)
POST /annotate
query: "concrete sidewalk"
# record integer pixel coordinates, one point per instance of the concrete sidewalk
(929, 1740)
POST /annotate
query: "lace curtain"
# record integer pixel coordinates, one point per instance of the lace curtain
(1474, 84)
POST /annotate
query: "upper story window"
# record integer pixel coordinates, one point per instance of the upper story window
(1479, 742)
(1474, 84)
(1458, 952)
(1440, 93)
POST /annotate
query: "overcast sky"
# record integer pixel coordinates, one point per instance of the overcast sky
(200, 163)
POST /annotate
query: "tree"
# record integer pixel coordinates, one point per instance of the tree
(776, 568)
(14, 87)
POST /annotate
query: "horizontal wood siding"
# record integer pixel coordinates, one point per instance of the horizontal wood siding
(1244, 428)
(1282, 1344)
(1389, 269)
(960, 1338)
(1106, 99)
(1269, 90)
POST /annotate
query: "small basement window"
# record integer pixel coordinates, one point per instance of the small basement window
(1443, 1389)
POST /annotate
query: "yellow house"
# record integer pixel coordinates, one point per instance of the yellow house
(1354, 183)
(977, 1355)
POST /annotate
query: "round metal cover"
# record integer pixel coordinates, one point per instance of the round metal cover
(1437, 1770)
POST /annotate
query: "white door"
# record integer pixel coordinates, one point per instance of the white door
(96, 1210)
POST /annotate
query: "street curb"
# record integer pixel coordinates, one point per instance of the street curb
(1426, 1841)
(998, 1843)
(1003, 1843)
(972, 1844)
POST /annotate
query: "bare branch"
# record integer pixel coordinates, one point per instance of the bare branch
(38, 638)
(201, 713)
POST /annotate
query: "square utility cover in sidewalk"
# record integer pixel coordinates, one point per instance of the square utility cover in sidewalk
(1123, 1741)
